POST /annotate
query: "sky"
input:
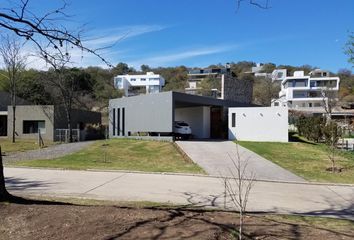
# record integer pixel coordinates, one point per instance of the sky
(199, 33)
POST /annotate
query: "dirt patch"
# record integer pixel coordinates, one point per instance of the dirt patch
(19, 221)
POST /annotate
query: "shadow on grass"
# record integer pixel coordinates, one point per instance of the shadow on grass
(293, 137)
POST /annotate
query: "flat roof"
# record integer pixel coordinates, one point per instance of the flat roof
(179, 100)
(190, 100)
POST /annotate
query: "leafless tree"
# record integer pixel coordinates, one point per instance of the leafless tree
(329, 101)
(263, 4)
(14, 63)
(239, 186)
(46, 31)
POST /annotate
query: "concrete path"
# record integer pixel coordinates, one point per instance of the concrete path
(311, 199)
(47, 153)
(214, 158)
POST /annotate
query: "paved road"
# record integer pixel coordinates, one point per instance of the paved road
(47, 153)
(312, 199)
(214, 158)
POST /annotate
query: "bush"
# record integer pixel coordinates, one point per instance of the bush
(310, 127)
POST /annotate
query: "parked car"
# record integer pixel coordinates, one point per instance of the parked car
(182, 130)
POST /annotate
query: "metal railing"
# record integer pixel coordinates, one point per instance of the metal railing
(62, 135)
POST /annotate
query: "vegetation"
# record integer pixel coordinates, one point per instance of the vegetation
(306, 159)
(21, 145)
(123, 154)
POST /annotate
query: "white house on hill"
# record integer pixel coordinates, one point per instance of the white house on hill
(139, 84)
(307, 93)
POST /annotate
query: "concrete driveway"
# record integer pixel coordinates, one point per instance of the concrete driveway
(202, 191)
(215, 158)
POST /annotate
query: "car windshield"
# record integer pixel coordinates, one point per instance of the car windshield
(182, 124)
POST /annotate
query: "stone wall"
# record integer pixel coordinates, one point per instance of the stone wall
(238, 90)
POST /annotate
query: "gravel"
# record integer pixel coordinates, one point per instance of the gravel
(51, 152)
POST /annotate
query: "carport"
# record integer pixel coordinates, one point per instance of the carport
(207, 116)
(150, 115)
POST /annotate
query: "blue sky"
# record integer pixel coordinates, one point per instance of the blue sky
(199, 33)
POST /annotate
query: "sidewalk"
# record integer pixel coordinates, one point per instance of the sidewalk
(312, 199)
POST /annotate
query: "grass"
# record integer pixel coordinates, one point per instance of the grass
(21, 145)
(306, 159)
(122, 154)
(318, 222)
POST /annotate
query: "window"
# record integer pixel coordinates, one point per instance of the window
(114, 122)
(276, 104)
(154, 89)
(119, 83)
(142, 79)
(233, 120)
(133, 79)
(33, 127)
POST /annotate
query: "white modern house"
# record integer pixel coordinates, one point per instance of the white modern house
(307, 93)
(139, 84)
(275, 75)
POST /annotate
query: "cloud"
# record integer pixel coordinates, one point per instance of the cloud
(182, 55)
(105, 40)
(114, 35)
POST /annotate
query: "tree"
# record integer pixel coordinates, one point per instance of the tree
(239, 186)
(14, 62)
(349, 48)
(67, 84)
(208, 84)
(45, 30)
(145, 68)
(265, 90)
(329, 100)
(4, 194)
(263, 4)
(332, 132)
(30, 87)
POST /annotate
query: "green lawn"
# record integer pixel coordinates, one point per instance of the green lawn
(123, 154)
(308, 160)
(20, 145)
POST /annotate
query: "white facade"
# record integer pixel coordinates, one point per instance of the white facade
(275, 75)
(263, 124)
(302, 92)
(198, 118)
(138, 84)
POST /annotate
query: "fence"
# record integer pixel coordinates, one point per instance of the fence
(346, 144)
(62, 135)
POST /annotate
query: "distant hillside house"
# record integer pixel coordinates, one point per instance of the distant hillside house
(307, 93)
(133, 85)
(229, 87)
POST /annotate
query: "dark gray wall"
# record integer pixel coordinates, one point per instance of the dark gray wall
(77, 117)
